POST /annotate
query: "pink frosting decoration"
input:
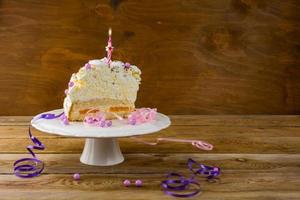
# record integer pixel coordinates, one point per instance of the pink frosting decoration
(142, 115)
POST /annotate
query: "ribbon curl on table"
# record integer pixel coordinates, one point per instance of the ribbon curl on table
(176, 185)
(30, 170)
(197, 143)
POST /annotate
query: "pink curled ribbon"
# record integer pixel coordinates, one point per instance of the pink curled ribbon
(30, 170)
(142, 115)
(196, 143)
(176, 185)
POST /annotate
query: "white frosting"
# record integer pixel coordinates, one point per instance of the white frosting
(67, 104)
(96, 62)
(103, 81)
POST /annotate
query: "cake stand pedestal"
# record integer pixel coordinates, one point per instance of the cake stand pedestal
(101, 145)
(101, 152)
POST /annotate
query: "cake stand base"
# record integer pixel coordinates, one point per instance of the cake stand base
(101, 152)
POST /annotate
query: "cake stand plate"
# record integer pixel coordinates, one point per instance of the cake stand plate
(101, 145)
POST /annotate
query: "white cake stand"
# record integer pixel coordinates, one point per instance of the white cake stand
(101, 145)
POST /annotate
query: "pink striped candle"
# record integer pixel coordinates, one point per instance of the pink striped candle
(109, 47)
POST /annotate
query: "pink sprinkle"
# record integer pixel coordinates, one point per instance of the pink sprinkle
(89, 120)
(126, 183)
(88, 66)
(108, 123)
(127, 65)
(132, 121)
(71, 84)
(102, 123)
(66, 91)
(76, 176)
(138, 183)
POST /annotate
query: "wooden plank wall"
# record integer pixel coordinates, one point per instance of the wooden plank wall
(197, 56)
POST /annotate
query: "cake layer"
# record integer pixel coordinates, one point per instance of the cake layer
(111, 107)
(99, 85)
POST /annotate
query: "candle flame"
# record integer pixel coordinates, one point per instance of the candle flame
(109, 31)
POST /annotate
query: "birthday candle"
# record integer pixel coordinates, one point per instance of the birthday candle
(109, 47)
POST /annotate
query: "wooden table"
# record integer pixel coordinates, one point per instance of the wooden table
(259, 156)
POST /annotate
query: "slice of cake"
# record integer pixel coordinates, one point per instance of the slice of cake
(102, 87)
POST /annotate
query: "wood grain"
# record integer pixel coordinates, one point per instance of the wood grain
(225, 141)
(230, 182)
(259, 157)
(229, 134)
(159, 163)
(265, 176)
(10, 194)
(197, 57)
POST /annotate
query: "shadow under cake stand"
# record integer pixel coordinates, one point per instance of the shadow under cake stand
(101, 145)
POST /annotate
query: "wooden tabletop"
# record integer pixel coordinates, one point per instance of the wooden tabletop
(259, 157)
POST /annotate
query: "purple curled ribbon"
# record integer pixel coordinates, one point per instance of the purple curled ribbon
(50, 116)
(197, 168)
(173, 186)
(33, 166)
(176, 185)
(30, 170)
